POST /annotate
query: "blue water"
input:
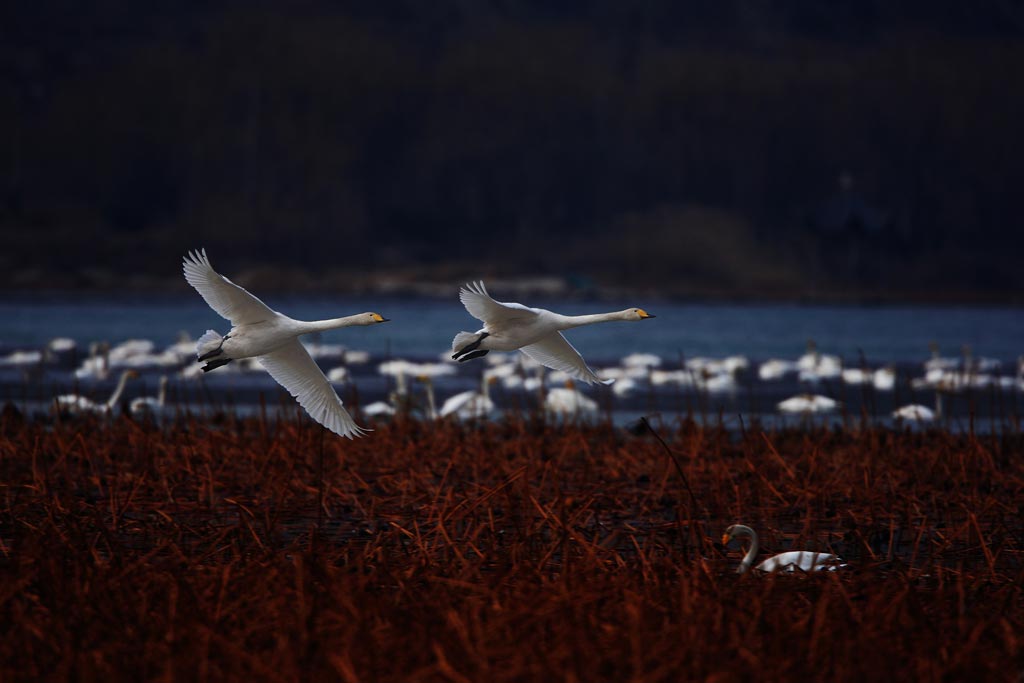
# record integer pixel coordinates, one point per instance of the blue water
(423, 328)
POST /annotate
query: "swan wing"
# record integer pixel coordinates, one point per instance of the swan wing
(555, 351)
(804, 560)
(481, 306)
(224, 296)
(295, 370)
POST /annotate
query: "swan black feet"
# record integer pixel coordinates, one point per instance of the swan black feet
(471, 347)
(213, 352)
(216, 364)
(474, 354)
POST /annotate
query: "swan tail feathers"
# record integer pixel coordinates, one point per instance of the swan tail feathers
(463, 339)
(209, 343)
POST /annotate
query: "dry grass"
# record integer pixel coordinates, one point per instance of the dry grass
(512, 552)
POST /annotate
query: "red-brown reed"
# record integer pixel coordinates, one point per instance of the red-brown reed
(209, 551)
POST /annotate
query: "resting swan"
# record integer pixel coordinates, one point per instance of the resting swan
(534, 331)
(804, 560)
(273, 339)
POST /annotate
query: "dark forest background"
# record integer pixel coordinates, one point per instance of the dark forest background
(738, 148)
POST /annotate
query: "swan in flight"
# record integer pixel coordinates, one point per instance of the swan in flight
(534, 331)
(273, 339)
(805, 560)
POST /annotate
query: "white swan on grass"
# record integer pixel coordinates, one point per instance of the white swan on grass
(805, 560)
(536, 332)
(273, 339)
(76, 404)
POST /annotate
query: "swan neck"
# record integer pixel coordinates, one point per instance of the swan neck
(118, 390)
(431, 404)
(570, 321)
(330, 324)
(748, 559)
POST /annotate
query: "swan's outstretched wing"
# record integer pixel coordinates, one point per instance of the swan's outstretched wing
(294, 369)
(481, 306)
(555, 351)
(223, 295)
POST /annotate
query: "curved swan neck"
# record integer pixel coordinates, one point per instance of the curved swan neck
(568, 321)
(748, 559)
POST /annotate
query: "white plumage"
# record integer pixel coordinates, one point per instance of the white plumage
(273, 339)
(536, 332)
(805, 560)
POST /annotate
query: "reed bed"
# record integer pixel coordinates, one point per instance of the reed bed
(238, 550)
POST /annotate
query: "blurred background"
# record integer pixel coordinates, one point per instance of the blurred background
(744, 149)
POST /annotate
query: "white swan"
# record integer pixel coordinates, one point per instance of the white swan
(150, 406)
(473, 404)
(805, 560)
(914, 412)
(534, 331)
(75, 404)
(808, 403)
(430, 412)
(273, 339)
(569, 403)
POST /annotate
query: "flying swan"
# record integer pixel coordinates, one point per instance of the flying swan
(534, 331)
(804, 560)
(273, 339)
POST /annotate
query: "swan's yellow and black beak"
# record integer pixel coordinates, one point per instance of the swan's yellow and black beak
(644, 314)
(377, 318)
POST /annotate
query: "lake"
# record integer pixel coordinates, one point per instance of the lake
(422, 330)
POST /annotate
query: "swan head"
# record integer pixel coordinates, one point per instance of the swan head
(372, 319)
(734, 531)
(637, 314)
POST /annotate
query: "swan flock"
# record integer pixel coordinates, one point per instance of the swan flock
(272, 338)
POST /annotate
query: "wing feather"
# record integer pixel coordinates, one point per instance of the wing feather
(295, 370)
(481, 306)
(224, 296)
(555, 351)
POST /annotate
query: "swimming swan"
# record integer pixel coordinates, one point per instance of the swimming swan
(805, 560)
(150, 406)
(75, 404)
(534, 331)
(273, 339)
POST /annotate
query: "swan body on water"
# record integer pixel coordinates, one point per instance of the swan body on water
(808, 403)
(273, 339)
(570, 403)
(536, 332)
(75, 404)
(914, 412)
(473, 404)
(150, 406)
(804, 560)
